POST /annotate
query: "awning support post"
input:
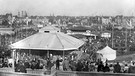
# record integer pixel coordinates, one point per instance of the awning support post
(63, 55)
(13, 57)
(48, 54)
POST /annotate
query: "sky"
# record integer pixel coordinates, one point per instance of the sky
(69, 7)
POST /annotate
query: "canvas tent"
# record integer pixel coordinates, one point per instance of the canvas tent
(108, 53)
(48, 41)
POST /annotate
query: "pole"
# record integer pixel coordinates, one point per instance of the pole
(0, 39)
(48, 54)
(112, 34)
(13, 56)
(63, 55)
(126, 39)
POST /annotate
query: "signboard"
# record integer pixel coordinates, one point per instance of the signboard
(106, 35)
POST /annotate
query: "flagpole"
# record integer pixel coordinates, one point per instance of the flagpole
(112, 34)
(126, 39)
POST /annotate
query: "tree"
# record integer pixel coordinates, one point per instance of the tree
(5, 22)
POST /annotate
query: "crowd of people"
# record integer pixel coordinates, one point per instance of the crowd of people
(99, 66)
(55, 62)
(69, 64)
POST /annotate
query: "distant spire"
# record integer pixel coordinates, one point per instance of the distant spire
(50, 14)
(18, 14)
(22, 13)
(53, 14)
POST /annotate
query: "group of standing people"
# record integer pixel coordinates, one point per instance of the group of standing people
(106, 68)
(72, 65)
(82, 65)
(75, 65)
(116, 68)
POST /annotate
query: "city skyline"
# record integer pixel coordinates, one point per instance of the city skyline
(69, 7)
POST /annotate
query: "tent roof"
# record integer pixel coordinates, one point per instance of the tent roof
(108, 53)
(106, 50)
(48, 41)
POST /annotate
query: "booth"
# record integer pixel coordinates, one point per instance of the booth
(107, 53)
(56, 41)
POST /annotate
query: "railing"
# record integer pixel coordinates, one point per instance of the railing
(63, 73)
(74, 73)
(17, 74)
(30, 72)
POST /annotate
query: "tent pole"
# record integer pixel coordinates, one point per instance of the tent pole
(13, 56)
(63, 55)
(47, 54)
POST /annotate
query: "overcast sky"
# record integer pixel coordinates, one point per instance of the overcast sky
(69, 7)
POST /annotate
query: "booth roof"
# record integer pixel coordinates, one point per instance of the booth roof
(48, 41)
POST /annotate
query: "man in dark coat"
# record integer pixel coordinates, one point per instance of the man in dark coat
(106, 68)
(57, 64)
(100, 67)
(16, 66)
(49, 64)
(79, 66)
(26, 63)
(33, 63)
(117, 68)
(21, 67)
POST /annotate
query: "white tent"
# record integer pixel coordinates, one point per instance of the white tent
(48, 41)
(108, 53)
